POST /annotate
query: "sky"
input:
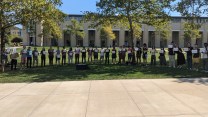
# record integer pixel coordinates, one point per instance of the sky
(78, 6)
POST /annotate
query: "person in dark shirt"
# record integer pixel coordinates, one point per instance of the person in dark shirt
(107, 54)
(180, 58)
(144, 54)
(196, 57)
(171, 54)
(95, 53)
(43, 57)
(189, 56)
(162, 57)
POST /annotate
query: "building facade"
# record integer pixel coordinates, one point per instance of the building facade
(93, 37)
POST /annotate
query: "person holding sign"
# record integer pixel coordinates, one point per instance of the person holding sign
(51, 55)
(77, 54)
(171, 54)
(113, 55)
(29, 57)
(102, 51)
(23, 57)
(63, 52)
(120, 54)
(144, 56)
(153, 55)
(196, 55)
(129, 54)
(107, 54)
(58, 56)
(189, 56)
(138, 55)
(90, 52)
(180, 58)
(35, 57)
(205, 56)
(123, 54)
(43, 57)
(95, 53)
(84, 55)
(14, 57)
(162, 57)
(70, 56)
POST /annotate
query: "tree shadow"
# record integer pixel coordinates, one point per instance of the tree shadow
(102, 72)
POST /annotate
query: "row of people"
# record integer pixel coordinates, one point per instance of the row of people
(135, 55)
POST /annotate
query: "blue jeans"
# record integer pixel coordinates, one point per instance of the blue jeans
(189, 62)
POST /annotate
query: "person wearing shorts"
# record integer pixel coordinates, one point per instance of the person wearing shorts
(144, 54)
(90, 52)
(113, 55)
(70, 56)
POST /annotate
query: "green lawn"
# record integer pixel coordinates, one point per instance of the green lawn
(96, 72)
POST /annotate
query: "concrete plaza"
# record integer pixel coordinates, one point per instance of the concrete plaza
(116, 98)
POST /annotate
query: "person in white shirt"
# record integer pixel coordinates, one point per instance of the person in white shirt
(102, 52)
(153, 56)
(95, 53)
(77, 53)
(205, 56)
(70, 55)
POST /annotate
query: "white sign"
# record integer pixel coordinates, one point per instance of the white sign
(194, 51)
(186, 49)
(113, 52)
(175, 49)
(161, 51)
(170, 46)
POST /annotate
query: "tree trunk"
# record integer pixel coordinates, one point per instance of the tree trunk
(2, 41)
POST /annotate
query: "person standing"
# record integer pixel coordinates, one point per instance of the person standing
(63, 52)
(123, 55)
(196, 57)
(95, 53)
(77, 54)
(189, 56)
(70, 56)
(162, 57)
(51, 55)
(205, 57)
(129, 54)
(14, 57)
(58, 56)
(153, 56)
(23, 57)
(102, 52)
(84, 51)
(90, 52)
(114, 55)
(180, 58)
(4, 59)
(171, 54)
(107, 54)
(29, 57)
(144, 56)
(43, 57)
(138, 55)
(120, 54)
(35, 57)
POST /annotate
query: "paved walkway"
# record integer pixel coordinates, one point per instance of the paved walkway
(117, 98)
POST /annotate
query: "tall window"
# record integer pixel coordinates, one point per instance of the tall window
(151, 41)
(175, 37)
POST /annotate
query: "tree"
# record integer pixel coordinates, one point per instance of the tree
(75, 29)
(192, 10)
(107, 33)
(16, 40)
(130, 14)
(13, 12)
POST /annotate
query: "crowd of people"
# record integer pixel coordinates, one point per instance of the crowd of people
(121, 55)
